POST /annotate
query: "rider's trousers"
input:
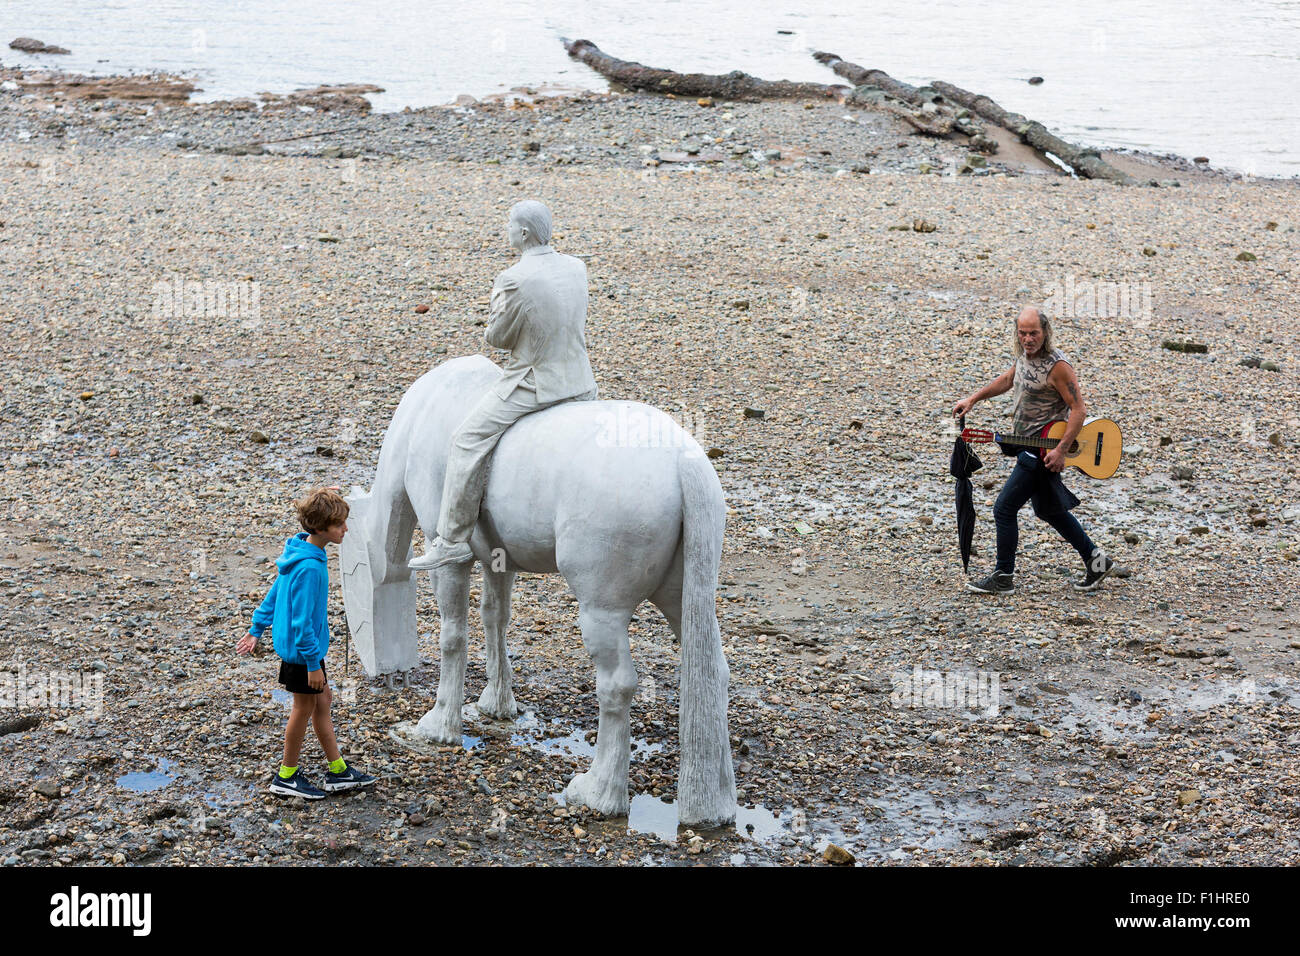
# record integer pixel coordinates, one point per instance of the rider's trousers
(471, 450)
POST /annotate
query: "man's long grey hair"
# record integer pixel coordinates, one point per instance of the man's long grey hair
(1045, 322)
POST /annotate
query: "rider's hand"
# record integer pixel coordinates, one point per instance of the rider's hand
(1055, 459)
(962, 407)
(246, 644)
(316, 680)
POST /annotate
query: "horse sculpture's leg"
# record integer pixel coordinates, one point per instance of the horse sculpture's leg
(443, 723)
(498, 699)
(604, 788)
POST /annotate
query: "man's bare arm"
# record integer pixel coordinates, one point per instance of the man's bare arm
(996, 387)
(1066, 383)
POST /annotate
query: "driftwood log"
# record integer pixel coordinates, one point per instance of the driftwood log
(861, 76)
(729, 86)
(931, 115)
(1084, 161)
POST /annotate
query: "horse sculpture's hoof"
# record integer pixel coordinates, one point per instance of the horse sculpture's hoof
(439, 726)
(609, 799)
(497, 705)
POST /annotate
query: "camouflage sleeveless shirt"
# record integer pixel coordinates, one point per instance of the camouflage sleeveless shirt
(1035, 402)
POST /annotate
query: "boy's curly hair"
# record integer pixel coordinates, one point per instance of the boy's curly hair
(321, 509)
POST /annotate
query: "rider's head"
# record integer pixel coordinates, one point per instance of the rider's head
(530, 224)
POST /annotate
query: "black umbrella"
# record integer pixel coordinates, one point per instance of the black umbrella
(962, 465)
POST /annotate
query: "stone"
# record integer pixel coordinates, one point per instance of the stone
(421, 309)
(28, 45)
(1246, 257)
(1187, 797)
(46, 788)
(755, 413)
(1035, 81)
(836, 855)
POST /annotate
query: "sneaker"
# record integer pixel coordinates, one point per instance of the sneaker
(998, 582)
(443, 552)
(1093, 579)
(349, 778)
(296, 786)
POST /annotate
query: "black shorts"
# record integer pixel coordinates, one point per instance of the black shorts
(294, 678)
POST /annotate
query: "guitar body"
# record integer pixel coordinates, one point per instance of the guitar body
(1096, 449)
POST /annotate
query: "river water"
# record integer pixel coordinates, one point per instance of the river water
(1217, 78)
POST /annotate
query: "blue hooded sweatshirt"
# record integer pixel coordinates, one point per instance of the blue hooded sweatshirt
(295, 607)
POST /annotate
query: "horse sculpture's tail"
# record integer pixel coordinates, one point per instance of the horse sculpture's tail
(706, 783)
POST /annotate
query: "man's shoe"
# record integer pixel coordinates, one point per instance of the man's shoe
(996, 583)
(296, 786)
(349, 778)
(443, 552)
(1093, 579)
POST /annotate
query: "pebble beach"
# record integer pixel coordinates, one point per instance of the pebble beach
(807, 289)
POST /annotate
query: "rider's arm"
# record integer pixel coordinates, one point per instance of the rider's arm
(507, 316)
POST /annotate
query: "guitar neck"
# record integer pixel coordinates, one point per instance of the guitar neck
(1026, 441)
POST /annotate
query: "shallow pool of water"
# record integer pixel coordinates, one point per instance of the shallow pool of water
(147, 780)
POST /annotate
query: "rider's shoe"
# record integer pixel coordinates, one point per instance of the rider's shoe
(443, 552)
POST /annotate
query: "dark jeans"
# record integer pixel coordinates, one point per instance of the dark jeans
(1031, 479)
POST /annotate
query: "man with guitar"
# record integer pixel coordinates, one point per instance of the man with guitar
(1045, 390)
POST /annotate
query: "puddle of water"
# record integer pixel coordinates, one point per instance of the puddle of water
(404, 734)
(658, 818)
(148, 780)
(532, 732)
(1117, 722)
(917, 818)
(282, 696)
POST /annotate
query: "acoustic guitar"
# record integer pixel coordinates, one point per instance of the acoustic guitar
(1095, 451)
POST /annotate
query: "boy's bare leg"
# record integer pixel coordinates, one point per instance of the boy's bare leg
(324, 725)
(304, 705)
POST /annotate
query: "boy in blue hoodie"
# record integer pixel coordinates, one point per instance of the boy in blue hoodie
(295, 609)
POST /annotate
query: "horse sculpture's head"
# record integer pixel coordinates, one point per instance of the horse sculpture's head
(381, 614)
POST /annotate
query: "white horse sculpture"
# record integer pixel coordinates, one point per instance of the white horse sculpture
(625, 514)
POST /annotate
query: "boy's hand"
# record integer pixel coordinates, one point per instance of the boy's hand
(316, 680)
(246, 644)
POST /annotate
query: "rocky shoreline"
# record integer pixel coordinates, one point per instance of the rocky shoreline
(525, 125)
(842, 277)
